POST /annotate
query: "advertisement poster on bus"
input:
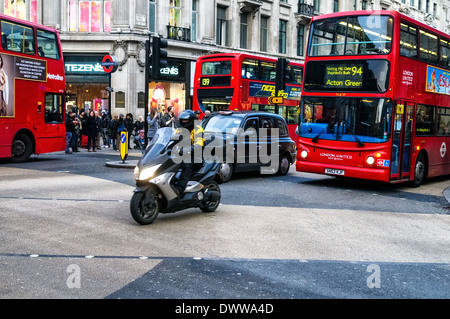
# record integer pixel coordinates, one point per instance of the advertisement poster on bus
(257, 89)
(438, 80)
(16, 67)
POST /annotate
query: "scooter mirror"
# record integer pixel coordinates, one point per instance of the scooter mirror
(176, 137)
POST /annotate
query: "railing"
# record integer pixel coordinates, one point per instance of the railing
(306, 9)
(178, 33)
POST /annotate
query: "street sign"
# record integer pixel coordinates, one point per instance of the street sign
(276, 100)
(110, 64)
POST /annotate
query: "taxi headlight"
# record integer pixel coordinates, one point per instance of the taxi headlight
(145, 173)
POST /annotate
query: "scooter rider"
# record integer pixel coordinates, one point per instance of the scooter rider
(187, 120)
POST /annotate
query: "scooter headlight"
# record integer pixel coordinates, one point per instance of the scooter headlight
(146, 173)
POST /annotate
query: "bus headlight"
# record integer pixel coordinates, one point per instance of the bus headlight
(304, 154)
(146, 173)
(370, 160)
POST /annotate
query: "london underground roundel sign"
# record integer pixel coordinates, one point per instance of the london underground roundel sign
(110, 64)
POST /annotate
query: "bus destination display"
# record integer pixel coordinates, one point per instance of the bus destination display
(347, 76)
(341, 76)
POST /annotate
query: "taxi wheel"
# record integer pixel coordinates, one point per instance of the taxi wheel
(284, 165)
(226, 170)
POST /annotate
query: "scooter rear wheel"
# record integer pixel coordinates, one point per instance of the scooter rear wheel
(209, 207)
(141, 212)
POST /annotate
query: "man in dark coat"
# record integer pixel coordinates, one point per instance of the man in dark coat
(91, 131)
(70, 130)
(129, 126)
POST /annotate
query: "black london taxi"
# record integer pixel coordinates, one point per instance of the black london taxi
(243, 135)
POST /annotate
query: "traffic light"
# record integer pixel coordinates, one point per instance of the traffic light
(283, 74)
(158, 57)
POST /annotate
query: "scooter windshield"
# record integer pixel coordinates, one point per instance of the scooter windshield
(159, 142)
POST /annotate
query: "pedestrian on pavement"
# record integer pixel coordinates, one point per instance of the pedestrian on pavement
(141, 141)
(112, 132)
(104, 128)
(91, 131)
(70, 128)
(76, 133)
(128, 122)
(169, 119)
(98, 137)
(153, 124)
(120, 128)
(139, 125)
(83, 137)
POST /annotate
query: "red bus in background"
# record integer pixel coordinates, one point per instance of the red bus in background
(376, 98)
(32, 86)
(238, 81)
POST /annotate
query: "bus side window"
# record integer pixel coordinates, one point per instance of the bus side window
(54, 105)
(445, 53)
(443, 120)
(47, 43)
(425, 121)
(408, 41)
(17, 38)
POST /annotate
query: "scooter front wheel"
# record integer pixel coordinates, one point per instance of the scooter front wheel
(144, 211)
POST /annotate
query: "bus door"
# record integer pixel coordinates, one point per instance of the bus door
(49, 122)
(401, 143)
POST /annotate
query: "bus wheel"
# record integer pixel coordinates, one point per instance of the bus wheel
(419, 171)
(21, 149)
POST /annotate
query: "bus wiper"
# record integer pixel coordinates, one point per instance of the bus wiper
(360, 144)
(316, 138)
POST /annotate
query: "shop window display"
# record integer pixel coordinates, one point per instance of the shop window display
(165, 94)
(89, 16)
(20, 8)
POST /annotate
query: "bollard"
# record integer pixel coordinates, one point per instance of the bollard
(123, 145)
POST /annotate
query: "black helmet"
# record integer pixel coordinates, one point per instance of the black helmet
(186, 119)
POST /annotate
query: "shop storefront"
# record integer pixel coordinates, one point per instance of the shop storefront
(86, 83)
(173, 89)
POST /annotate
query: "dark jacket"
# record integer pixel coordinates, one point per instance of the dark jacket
(70, 127)
(128, 122)
(91, 126)
(166, 118)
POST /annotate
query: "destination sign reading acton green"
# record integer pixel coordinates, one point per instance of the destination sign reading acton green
(341, 76)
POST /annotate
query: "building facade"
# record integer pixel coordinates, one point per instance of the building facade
(91, 30)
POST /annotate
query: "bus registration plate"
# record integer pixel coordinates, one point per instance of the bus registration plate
(333, 171)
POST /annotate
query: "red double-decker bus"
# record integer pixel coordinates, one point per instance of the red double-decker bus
(238, 81)
(376, 98)
(32, 86)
